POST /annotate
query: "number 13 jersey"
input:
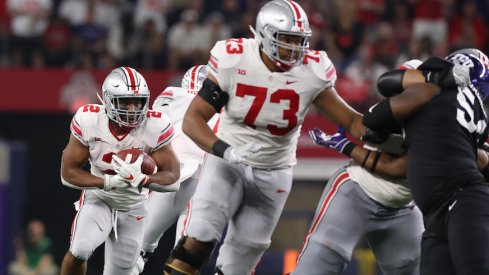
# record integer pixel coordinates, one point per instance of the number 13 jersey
(266, 107)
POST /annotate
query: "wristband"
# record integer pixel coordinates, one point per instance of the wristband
(219, 147)
(376, 160)
(348, 148)
(366, 157)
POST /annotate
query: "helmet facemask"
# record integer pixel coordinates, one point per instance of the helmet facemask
(277, 45)
(127, 111)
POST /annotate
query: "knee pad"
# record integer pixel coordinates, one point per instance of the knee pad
(409, 267)
(82, 249)
(123, 256)
(319, 259)
(205, 230)
(239, 257)
(245, 247)
(196, 257)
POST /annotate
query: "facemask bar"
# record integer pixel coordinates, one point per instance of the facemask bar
(297, 51)
(125, 117)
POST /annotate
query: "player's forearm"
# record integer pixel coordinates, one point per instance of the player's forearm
(412, 77)
(165, 177)
(164, 181)
(379, 163)
(394, 82)
(406, 104)
(357, 129)
(80, 179)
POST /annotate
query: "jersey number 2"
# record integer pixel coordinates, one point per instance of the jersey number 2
(260, 95)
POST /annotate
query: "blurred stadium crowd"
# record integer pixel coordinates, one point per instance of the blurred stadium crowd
(364, 38)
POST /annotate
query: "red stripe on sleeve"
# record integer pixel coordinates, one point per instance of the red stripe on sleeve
(213, 62)
(166, 134)
(75, 128)
(166, 93)
(331, 72)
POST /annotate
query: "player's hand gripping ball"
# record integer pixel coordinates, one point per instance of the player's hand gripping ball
(148, 166)
(134, 166)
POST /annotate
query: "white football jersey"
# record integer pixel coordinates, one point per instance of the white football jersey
(91, 127)
(174, 102)
(389, 192)
(266, 107)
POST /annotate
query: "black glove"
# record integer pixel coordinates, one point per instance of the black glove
(438, 71)
(374, 137)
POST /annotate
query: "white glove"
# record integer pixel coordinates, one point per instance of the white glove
(114, 182)
(461, 74)
(131, 172)
(240, 154)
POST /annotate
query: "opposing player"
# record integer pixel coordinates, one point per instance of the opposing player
(166, 208)
(443, 129)
(266, 86)
(369, 199)
(113, 205)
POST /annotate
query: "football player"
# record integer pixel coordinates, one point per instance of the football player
(444, 130)
(113, 204)
(266, 86)
(166, 208)
(367, 200)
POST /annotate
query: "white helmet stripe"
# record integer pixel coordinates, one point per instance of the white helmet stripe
(297, 14)
(130, 76)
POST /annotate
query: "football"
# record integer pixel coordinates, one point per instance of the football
(148, 166)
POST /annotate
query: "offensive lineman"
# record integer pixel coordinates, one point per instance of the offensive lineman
(364, 200)
(266, 86)
(113, 205)
(166, 208)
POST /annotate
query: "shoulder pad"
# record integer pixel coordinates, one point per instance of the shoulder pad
(226, 53)
(85, 117)
(160, 127)
(164, 98)
(88, 114)
(321, 66)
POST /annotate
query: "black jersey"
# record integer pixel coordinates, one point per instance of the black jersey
(442, 140)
